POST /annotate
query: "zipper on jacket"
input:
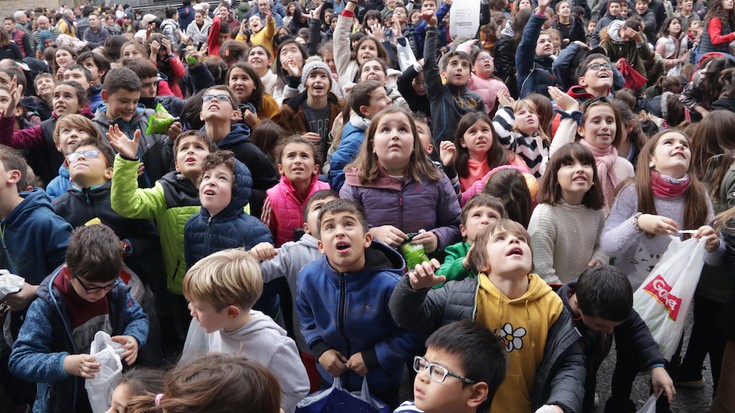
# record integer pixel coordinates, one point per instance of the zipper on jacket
(342, 310)
(176, 270)
(206, 237)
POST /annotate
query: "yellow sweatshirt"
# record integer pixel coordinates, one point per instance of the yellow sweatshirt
(522, 325)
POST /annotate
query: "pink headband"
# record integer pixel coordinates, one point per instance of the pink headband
(159, 396)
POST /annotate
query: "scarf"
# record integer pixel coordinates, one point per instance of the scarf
(665, 186)
(605, 160)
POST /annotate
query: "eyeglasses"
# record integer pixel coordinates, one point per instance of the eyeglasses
(484, 58)
(88, 154)
(219, 98)
(93, 289)
(598, 66)
(436, 372)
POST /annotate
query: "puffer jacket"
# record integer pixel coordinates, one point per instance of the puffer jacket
(349, 145)
(231, 228)
(559, 379)
(283, 210)
(171, 202)
(407, 204)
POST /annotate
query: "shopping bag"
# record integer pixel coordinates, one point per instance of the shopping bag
(377, 405)
(650, 406)
(664, 298)
(336, 400)
(99, 389)
(633, 79)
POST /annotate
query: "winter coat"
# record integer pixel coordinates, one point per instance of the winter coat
(349, 145)
(535, 74)
(293, 119)
(97, 38)
(283, 209)
(199, 35)
(58, 186)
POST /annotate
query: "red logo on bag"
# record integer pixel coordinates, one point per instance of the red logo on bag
(661, 291)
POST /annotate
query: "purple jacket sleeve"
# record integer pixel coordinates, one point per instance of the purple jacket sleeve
(19, 139)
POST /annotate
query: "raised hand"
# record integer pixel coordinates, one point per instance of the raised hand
(429, 17)
(447, 152)
(563, 101)
(127, 147)
(423, 276)
(16, 93)
(377, 31)
(504, 98)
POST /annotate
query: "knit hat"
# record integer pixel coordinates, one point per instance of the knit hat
(314, 64)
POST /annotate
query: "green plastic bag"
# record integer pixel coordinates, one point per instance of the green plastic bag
(414, 254)
(159, 122)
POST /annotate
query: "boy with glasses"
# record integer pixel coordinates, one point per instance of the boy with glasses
(76, 301)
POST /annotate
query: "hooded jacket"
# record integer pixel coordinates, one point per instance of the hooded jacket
(262, 341)
(58, 186)
(264, 174)
(46, 339)
(231, 228)
(630, 50)
(560, 377)
(349, 145)
(633, 333)
(199, 35)
(348, 312)
(33, 237)
(293, 119)
(154, 150)
(407, 204)
(171, 202)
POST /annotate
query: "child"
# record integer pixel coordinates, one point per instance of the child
(219, 113)
(479, 212)
(221, 290)
(514, 303)
(518, 128)
(478, 150)
(77, 300)
(44, 85)
(366, 99)
(600, 316)
(399, 187)
(565, 227)
(121, 92)
(460, 372)
(252, 99)
(534, 57)
(215, 383)
(298, 164)
(135, 382)
(342, 302)
(70, 130)
(516, 190)
(601, 130)
(451, 101)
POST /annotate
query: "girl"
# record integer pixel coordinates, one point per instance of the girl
(673, 45)
(569, 25)
(632, 136)
(718, 27)
(214, 383)
(401, 190)
(254, 103)
(290, 58)
(133, 49)
(699, 94)
(167, 62)
(262, 60)
(198, 29)
(600, 131)
(517, 191)
(266, 136)
(298, 164)
(376, 69)
(97, 64)
(566, 225)
(8, 48)
(477, 150)
(135, 382)
(519, 131)
(63, 57)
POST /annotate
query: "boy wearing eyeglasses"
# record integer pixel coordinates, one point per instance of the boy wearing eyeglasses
(462, 368)
(77, 300)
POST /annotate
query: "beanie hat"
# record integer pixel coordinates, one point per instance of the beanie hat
(314, 64)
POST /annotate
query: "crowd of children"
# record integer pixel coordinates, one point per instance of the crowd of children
(343, 189)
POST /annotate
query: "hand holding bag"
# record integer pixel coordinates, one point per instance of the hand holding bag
(99, 389)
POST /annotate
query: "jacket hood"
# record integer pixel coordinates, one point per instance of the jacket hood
(359, 122)
(239, 133)
(258, 322)
(184, 193)
(101, 118)
(613, 30)
(579, 93)
(380, 257)
(242, 187)
(33, 200)
(537, 288)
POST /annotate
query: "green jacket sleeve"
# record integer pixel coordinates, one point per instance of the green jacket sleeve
(130, 201)
(452, 267)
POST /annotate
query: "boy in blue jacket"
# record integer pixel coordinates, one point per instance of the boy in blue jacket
(343, 305)
(76, 301)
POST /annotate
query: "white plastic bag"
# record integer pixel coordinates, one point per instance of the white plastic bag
(664, 298)
(9, 283)
(650, 406)
(99, 389)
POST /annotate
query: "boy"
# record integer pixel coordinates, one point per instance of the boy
(76, 301)
(451, 101)
(534, 55)
(367, 98)
(121, 92)
(82, 75)
(220, 114)
(478, 213)
(221, 290)
(601, 302)
(545, 361)
(342, 301)
(460, 372)
(44, 84)
(648, 19)
(288, 260)
(69, 130)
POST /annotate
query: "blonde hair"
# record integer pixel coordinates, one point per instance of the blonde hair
(228, 277)
(79, 122)
(530, 105)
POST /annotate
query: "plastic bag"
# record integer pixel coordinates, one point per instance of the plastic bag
(99, 389)
(9, 283)
(413, 254)
(664, 298)
(464, 18)
(650, 406)
(335, 399)
(159, 122)
(633, 79)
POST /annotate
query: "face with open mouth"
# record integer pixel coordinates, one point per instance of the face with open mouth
(672, 155)
(373, 70)
(367, 50)
(575, 179)
(297, 162)
(258, 57)
(599, 126)
(242, 84)
(457, 71)
(508, 253)
(393, 142)
(343, 239)
(65, 100)
(318, 83)
(598, 78)
(215, 189)
(217, 105)
(189, 156)
(544, 46)
(478, 139)
(484, 66)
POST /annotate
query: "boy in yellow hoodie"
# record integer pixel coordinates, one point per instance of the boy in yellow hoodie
(546, 369)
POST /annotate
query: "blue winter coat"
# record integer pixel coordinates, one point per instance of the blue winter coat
(349, 312)
(535, 74)
(33, 238)
(58, 186)
(231, 228)
(46, 339)
(349, 146)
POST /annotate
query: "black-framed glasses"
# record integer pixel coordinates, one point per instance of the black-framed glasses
(220, 98)
(598, 66)
(436, 372)
(88, 154)
(93, 289)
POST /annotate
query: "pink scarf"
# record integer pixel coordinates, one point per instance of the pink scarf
(664, 188)
(605, 159)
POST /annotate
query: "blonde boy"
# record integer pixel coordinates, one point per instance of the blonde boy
(221, 289)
